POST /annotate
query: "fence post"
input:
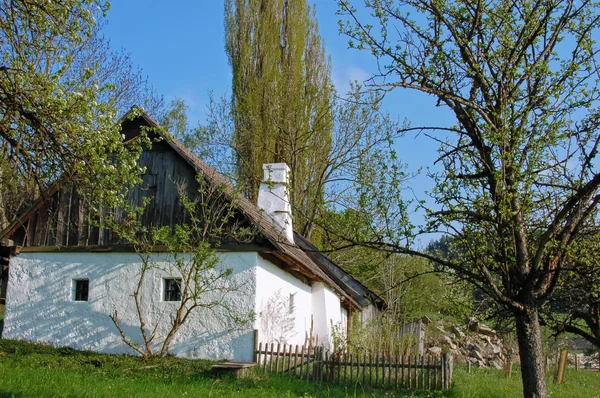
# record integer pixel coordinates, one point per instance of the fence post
(444, 377)
(450, 370)
(289, 369)
(557, 360)
(255, 356)
(563, 366)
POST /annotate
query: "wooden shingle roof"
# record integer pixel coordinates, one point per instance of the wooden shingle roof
(302, 256)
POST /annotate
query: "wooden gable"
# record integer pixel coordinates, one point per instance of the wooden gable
(61, 221)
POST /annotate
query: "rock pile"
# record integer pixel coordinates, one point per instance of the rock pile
(584, 361)
(475, 342)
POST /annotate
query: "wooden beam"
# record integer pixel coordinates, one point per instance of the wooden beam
(131, 249)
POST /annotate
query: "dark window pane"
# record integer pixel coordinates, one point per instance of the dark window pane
(171, 289)
(82, 287)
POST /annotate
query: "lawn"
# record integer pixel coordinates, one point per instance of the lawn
(33, 370)
(493, 384)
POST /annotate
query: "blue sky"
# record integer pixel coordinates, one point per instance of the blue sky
(180, 47)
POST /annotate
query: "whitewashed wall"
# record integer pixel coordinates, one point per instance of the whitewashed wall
(327, 311)
(273, 289)
(40, 306)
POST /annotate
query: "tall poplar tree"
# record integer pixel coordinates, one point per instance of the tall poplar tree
(282, 97)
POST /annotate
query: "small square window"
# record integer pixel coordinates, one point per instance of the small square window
(81, 288)
(171, 289)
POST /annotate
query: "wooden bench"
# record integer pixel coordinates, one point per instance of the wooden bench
(235, 369)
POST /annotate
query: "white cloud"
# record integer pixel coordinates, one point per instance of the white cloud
(352, 73)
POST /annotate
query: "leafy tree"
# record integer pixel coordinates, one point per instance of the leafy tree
(362, 136)
(282, 96)
(61, 90)
(517, 181)
(575, 305)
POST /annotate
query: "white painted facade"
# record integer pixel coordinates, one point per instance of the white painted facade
(40, 305)
(327, 313)
(277, 289)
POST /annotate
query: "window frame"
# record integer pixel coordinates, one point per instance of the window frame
(80, 294)
(170, 294)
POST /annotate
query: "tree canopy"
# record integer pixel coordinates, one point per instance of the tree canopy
(61, 90)
(518, 179)
(282, 95)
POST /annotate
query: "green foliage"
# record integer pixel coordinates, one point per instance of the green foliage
(62, 90)
(411, 287)
(517, 181)
(575, 305)
(381, 335)
(282, 96)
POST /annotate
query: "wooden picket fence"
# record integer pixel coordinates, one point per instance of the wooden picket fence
(318, 365)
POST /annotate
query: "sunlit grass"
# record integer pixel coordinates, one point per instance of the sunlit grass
(494, 384)
(33, 370)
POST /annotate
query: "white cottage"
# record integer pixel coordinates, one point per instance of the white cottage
(66, 276)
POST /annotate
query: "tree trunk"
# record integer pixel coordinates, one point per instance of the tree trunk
(531, 354)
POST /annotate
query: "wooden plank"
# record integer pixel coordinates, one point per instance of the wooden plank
(280, 358)
(317, 366)
(345, 359)
(308, 363)
(277, 358)
(41, 226)
(351, 367)
(396, 371)
(323, 365)
(289, 368)
(326, 367)
(377, 365)
(301, 360)
(562, 366)
(422, 371)
(435, 372)
(271, 358)
(339, 367)
(429, 372)
(409, 378)
(256, 347)
(257, 354)
(364, 367)
(30, 230)
(296, 361)
(416, 370)
(82, 226)
(68, 229)
(383, 370)
(403, 377)
(444, 371)
(370, 369)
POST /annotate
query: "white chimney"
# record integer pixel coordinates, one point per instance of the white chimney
(274, 198)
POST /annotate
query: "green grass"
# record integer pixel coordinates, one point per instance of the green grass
(34, 370)
(493, 384)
